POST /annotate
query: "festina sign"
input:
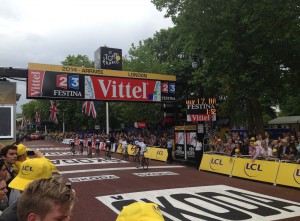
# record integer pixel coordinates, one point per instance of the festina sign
(200, 117)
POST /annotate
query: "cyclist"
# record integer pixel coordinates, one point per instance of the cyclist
(97, 143)
(80, 145)
(89, 147)
(142, 149)
(108, 148)
(72, 145)
(124, 149)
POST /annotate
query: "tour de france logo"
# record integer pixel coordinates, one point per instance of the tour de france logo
(216, 163)
(253, 169)
(296, 176)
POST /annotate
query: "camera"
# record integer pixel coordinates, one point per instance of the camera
(30, 153)
(69, 185)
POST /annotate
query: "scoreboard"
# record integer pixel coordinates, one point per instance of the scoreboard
(201, 109)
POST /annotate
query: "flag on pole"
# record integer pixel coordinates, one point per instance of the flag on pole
(53, 111)
(37, 117)
(88, 108)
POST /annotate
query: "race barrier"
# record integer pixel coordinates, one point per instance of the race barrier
(289, 174)
(153, 153)
(270, 171)
(217, 163)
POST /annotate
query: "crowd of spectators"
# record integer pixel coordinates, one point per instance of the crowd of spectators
(150, 139)
(257, 146)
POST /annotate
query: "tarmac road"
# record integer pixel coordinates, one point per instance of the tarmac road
(183, 193)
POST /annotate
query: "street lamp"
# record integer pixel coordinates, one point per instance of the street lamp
(196, 62)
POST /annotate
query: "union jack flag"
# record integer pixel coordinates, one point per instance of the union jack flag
(53, 111)
(88, 108)
(37, 117)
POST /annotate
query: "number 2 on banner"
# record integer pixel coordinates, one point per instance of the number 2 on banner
(61, 81)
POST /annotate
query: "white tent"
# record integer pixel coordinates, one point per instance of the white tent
(286, 120)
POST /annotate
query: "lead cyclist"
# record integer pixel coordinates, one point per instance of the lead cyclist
(143, 148)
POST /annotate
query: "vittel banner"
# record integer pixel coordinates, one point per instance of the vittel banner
(67, 82)
(127, 89)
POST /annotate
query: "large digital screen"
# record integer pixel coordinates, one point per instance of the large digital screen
(6, 122)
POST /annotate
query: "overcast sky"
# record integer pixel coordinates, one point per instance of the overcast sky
(47, 31)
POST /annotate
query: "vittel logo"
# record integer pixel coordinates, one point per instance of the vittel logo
(253, 169)
(117, 89)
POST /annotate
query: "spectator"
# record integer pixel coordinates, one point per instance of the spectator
(3, 196)
(219, 146)
(140, 211)
(198, 152)
(297, 145)
(170, 151)
(256, 151)
(9, 155)
(31, 170)
(22, 156)
(57, 201)
(3, 172)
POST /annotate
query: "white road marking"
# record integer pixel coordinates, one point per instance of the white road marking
(117, 169)
(216, 202)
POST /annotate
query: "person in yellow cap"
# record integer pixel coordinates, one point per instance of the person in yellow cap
(30, 170)
(141, 211)
(21, 156)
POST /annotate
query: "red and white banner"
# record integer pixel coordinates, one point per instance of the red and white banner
(35, 83)
(200, 117)
(127, 89)
(140, 124)
(88, 107)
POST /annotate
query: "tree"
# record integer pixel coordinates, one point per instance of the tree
(250, 49)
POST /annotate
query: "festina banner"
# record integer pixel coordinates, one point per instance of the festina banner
(66, 82)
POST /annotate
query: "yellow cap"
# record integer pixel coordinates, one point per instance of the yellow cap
(219, 140)
(274, 150)
(30, 170)
(53, 167)
(140, 211)
(22, 149)
(252, 138)
(237, 150)
(255, 144)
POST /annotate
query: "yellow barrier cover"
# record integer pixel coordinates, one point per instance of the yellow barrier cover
(217, 163)
(260, 170)
(289, 174)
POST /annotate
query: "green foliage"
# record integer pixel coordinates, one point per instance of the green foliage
(250, 49)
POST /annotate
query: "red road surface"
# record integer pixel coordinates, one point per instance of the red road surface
(183, 193)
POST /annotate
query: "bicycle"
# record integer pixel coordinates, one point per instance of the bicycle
(97, 150)
(72, 149)
(125, 155)
(107, 153)
(135, 154)
(89, 152)
(143, 161)
(81, 148)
